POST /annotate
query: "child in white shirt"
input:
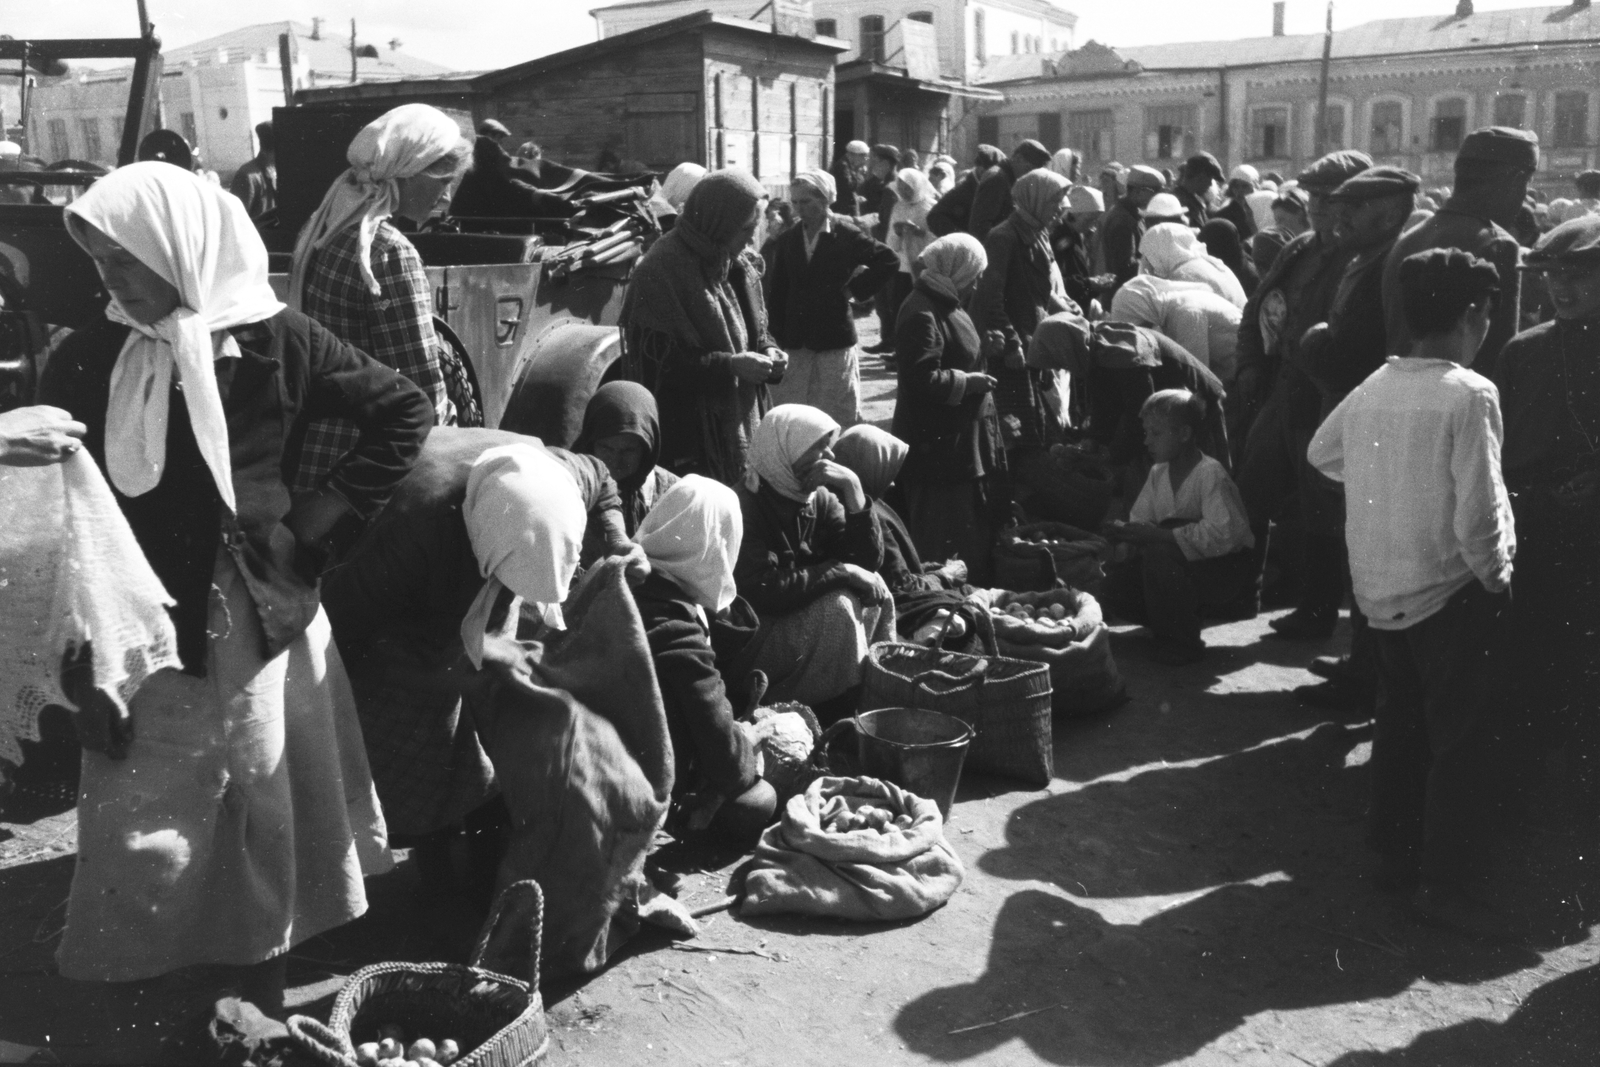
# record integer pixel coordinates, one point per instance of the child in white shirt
(1189, 531)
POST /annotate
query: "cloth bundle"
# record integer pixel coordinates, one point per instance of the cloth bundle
(863, 874)
(71, 571)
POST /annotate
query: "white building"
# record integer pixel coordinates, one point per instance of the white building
(214, 92)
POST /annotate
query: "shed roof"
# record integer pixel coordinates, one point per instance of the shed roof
(329, 55)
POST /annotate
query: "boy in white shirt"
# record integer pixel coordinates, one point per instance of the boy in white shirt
(1189, 531)
(1429, 528)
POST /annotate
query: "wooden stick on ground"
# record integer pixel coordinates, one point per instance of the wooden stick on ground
(730, 951)
(1008, 1018)
(711, 909)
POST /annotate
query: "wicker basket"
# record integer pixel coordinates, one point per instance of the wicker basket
(498, 1021)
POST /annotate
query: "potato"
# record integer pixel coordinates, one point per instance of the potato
(449, 1051)
(367, 1054)
(422, 1049)
(1058, 611)
(389, 1048)
(903, 821)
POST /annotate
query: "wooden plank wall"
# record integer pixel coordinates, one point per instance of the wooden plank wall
(768, 106)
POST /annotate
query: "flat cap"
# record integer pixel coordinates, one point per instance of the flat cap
(1141, 176)
(493, 128)
(1203, 163)
(1501, 144)
(1376, 182)
(1575, 243)
(1033, 152)
(1334, 169)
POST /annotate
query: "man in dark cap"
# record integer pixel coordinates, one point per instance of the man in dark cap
(1124, 223)
(256, 183)
(1272, 379)
(493, 129)
(993, 200)
(1492, 172)
(1199, 175)
(1338, 355)
(953, 212)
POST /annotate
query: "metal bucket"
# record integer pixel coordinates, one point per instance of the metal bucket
(921, 751)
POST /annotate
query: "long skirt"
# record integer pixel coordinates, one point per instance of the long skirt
(241, 821)
(817, 653)
(828, 380)
(953, 518)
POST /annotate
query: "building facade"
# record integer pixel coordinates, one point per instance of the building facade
(1404, 90)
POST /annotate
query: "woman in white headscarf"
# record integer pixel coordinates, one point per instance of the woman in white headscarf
(1173, 251)
(1189, 313)
(359, 276)
(946, 411)
(229, 813)
(908, 227)
(809, 562)
(675, 188)
(692, 537)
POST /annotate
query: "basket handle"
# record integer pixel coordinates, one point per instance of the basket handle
(535, 932)
(955, 683)
(321, 1042)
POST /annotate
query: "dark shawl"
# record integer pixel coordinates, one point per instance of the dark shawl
(625, 407)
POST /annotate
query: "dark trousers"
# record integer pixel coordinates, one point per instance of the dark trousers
(1167, 593)
(1427, 773)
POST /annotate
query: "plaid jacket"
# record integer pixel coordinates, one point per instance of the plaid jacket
(395, 328)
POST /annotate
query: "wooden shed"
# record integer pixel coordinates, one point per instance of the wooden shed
(705, 88)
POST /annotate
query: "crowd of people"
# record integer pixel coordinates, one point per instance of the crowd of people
(1331, 388)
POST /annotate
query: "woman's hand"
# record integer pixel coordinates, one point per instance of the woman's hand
(752, 366)
(38, 436)
(978, 384)
(100, 724)
(839, 478)
(865, 584)
(635, 564)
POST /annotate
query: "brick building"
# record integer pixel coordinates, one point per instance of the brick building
(1404, 90)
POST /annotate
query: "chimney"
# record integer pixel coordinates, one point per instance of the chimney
(316, 29)
(1277, 18)
(1463, 8)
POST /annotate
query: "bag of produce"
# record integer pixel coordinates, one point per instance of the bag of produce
(1035, 556)
(1065, 630)
(853, 848)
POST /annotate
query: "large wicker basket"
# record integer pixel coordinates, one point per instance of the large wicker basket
(498, 1021)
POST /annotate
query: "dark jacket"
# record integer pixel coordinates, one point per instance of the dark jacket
(794, 553)
(1354, 343)
(289, 372)
(903, 570)
(991, 203)
(848, 185)
(1456, 225)
(1199, 212)
(1012, 298)
(954, 209)
(705, 736)
(872, 191)
(808, 301)
(1116, 395)
(1238, 212)
(1072, 258)
(1119, 238)
(953, 435)
(1308, 307)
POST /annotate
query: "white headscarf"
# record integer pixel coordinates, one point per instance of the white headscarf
(923, 193)
(821, 181)
(952, 265)
(525, 519)
(1174, 251)
(783, 436)
(198, 237)
(692, 535)
(1064, 162)
(680, 182)
(401, 143)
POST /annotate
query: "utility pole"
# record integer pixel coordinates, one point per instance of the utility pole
(1322, 93)
(354, 78)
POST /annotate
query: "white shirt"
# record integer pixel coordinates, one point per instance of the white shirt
(811, 239)
(1207, 498)
(1417, 446)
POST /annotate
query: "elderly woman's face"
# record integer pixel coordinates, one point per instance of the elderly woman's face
(747, 233)
(622, 453)
(822, 450)
(423, 194)
(145, 295)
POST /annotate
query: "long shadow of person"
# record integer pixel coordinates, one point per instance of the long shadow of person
(1167, 908)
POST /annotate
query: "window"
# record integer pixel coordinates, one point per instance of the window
(1089, 132)
(989, 129)
(90, 128)
(1169, 132)
(1055, 44)
(1269, 133)
(1511, 111)
(921, 16)
(60, 147)
(187, 128)
(980, 44)
(827, 28)
(1334, 135)
(1572, 120)
(872, 38)
(1388, 128)
(1050, 129)
(1449, 124)
(1016, 42)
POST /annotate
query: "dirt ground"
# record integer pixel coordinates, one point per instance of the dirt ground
(1192, 888)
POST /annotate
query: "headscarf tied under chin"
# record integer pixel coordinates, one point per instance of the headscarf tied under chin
(197, 237)
(401, 143)
(952, 265)
(785, 435)
(1036, 200)
(918, 191)
(875, 455)
(821, 181)
(624, 408)
(692, 536)
(721, 204)
(525, 519)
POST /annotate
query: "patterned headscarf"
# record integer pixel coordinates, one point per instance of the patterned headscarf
(952, 265)
(720, 205)
(875, 456)
(1036, 199)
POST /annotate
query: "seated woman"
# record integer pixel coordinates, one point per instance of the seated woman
(410, 608)
(620, 428)
(809, 563)
(875, 457)
(692, 538)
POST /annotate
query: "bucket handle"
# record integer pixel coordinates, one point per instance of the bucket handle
(511, 892)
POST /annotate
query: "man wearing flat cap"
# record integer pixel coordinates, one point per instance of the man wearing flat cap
(1338, 355)
(1199, 174)
(1492, 172)
(1123, 228)
(1549, 382)
(992, 203)
(1296, 295)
